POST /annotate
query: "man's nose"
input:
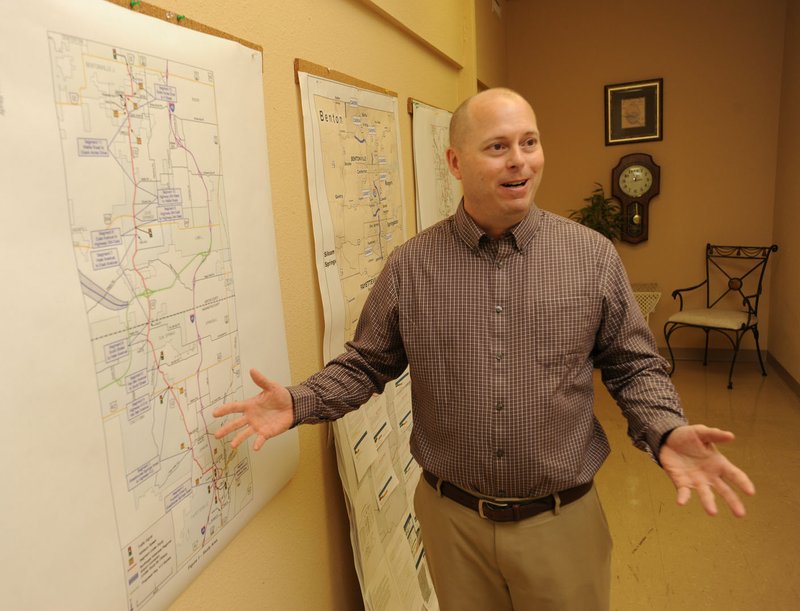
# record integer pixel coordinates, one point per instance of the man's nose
(514, 157)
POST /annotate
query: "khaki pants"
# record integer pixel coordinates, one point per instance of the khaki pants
(545, 563)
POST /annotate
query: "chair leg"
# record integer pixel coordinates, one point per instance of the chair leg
(705, 352)
(758, 351)
(733, 360)
(667, 335)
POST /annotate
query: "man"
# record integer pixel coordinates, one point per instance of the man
(502, 311)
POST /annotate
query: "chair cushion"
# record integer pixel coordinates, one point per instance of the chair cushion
(713, 317)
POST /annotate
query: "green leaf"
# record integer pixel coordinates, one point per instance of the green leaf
(601, 213)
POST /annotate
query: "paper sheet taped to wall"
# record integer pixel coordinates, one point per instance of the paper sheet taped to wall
(438, 191)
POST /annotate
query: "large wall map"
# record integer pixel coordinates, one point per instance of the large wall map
(134, 163)
(152, 253)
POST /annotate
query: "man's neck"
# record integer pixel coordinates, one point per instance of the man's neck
(494, 230)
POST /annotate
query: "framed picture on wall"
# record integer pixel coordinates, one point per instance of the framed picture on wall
(634, 111)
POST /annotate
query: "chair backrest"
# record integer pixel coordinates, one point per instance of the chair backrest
(735, 275)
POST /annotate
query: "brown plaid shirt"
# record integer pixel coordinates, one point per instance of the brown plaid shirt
(501, 337)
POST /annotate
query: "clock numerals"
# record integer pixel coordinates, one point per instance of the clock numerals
(635, 180)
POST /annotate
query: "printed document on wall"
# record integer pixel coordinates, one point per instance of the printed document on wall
(438, 191)
(355, 184)
(133, 172)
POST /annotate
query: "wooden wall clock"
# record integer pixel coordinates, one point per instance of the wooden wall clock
(635, 180)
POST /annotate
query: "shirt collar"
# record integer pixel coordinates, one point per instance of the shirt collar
(521, 234)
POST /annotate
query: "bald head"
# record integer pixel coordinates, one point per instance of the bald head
(460, 121)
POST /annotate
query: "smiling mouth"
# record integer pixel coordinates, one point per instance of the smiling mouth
(516, 184)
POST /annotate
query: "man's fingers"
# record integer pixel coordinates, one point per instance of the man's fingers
(715, 435)
(736, 476)
(230, 426)
(246, 432)
(227, 408)
(706, 496)
(731, 498)
(242, 436)
(707, 499)
(260, 441)
(260, 379)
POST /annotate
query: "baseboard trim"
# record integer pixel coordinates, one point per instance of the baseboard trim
(745, 356)
(785, 375)
(714, 354)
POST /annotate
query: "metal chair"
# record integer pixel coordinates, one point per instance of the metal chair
(733, 285)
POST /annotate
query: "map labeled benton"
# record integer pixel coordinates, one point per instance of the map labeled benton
(360, 161)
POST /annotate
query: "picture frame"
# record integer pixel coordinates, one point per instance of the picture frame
(634, 111)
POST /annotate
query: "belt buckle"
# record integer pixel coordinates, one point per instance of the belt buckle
(483, 502)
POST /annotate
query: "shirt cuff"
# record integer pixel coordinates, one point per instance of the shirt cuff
(658, 432)
(303, 401)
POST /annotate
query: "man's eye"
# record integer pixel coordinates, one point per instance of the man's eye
(496, 146)
(530, 142)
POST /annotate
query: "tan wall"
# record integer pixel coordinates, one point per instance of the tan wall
(490, 36)
(296, 554)
(721, 65)
(430, 22)
(784, 341)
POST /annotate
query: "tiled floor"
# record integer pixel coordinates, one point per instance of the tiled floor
(670, 558)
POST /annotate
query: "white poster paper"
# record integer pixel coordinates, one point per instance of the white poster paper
(141, 273)
(438, 191)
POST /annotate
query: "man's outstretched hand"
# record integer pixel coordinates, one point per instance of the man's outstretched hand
(693, 462)
(267, 414)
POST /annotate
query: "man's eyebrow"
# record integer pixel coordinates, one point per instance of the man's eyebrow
(504, 137)
(494, 138)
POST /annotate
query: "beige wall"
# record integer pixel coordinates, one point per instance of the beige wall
(490, 37)
(430, 22)
(784, 340)
(296, 554)
(721, 64)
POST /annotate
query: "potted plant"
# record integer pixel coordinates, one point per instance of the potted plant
(601, 213)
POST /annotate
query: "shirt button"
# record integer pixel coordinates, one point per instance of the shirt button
(499, 356)
(501, 492)
(499, 265)
(498, 309)
(500, 453)
(499, 406)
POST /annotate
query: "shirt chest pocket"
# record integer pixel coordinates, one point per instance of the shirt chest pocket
(564, 329)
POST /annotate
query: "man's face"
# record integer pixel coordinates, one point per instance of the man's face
(499, 160)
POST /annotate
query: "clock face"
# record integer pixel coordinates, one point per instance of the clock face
(635, 180)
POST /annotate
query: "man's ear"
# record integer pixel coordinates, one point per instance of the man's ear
(453, 162)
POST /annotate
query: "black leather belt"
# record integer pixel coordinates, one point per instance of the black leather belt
(506, 512)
